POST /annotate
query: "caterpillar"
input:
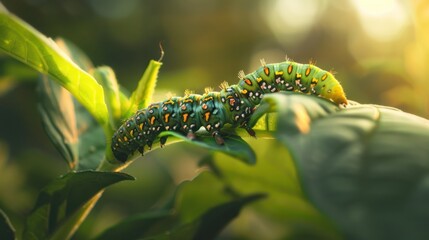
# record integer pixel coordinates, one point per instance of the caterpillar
(232, 105)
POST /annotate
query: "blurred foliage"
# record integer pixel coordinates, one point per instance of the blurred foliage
(207, 43)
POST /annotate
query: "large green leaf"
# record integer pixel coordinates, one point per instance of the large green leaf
(21, 41)
(7, 232)
(75, 133)
(285, 213)
(366, 166)
(60, 204)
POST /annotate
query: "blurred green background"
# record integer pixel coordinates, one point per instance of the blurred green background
(378, 49)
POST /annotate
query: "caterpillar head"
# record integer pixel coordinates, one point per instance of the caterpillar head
(337, 95)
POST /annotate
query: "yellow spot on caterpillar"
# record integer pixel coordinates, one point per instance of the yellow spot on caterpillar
(185, 117)
(141, 126)
(119, 140)
(152, 120)
(298, 76)
(258, 79)
(166, 117)
(324, 76)
(125, 139)
(314, 81)
(207, 116)
(307, 72)
(279, 73)
(188, 100)
(244, 91)
(208, 99)
(289, 69)
(169, 102)
(131, 132)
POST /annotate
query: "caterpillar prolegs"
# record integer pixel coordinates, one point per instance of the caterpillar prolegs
(232, 105)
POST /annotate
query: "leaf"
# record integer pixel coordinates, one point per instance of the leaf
(21, 41)
(92, 140)
(7, 232)
(56, 108)
(76, 134)
(234, 145)
(285, 213)
(366, 167)
(139, 226)
(59, 203)
(212, 222)
(107, 78)
(142, 95)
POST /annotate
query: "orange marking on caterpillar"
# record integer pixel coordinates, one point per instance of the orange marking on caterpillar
(152, 120)
(166, 117)
(185, 117)
(267, 71)
(289, 69)
(307, 72)
(248, 82)
(207, 116)
(325, 76)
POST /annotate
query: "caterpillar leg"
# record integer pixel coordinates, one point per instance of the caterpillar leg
(191, 135)
(163, 140)
(141, 150)
(251, 132)
(149, 144)
(218, 138)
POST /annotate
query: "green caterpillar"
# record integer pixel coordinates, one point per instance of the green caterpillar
(232, 105)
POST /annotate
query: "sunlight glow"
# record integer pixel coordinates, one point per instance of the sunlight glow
(291, 20)
(382, 20)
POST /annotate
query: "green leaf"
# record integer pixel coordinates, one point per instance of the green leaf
(107, 78)
(64, 203)
(234, 145)
(56, 108)
(21, 41)
(76, 134)
(7, 232)
(140, 226)
(212, 222)
(92, 142)
(142, 96)
(366, 167)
